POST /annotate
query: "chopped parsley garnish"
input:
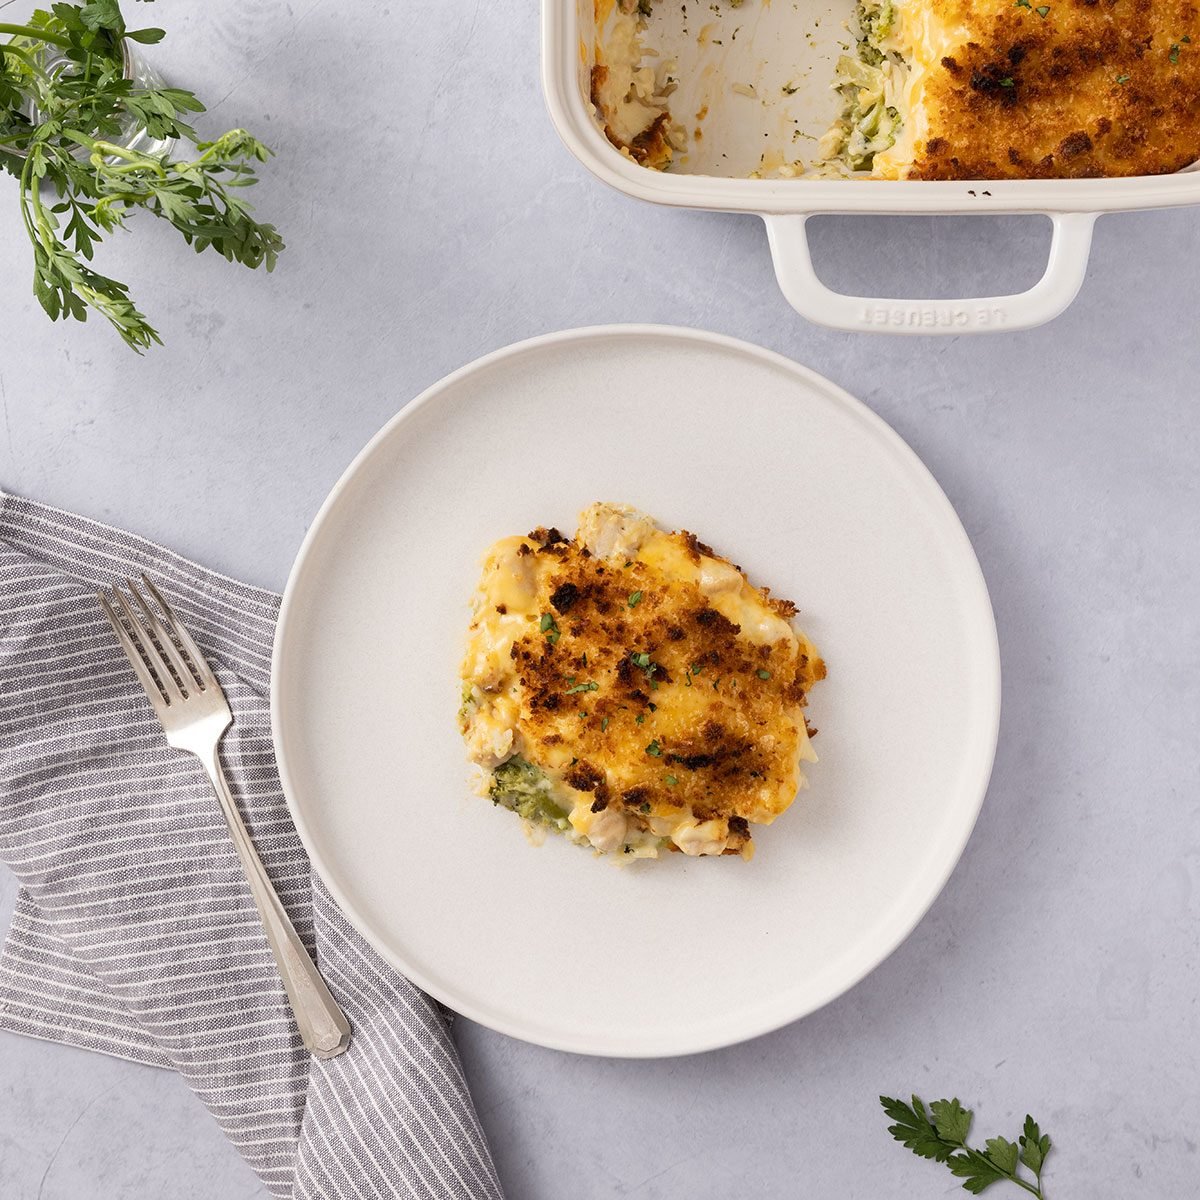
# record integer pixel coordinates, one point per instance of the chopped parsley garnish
(635, 598)
(1174, 55)
(643, 663)
(1021, 4)
(671, 781)
(644, 806)
(1043, 11)
(652, 707)
(763, 673)
(697, 668)
(604, 725)
(583, 687)
(654, 750)
(1122, 78)
(550, 628)
(640, 718)
(1008, 82)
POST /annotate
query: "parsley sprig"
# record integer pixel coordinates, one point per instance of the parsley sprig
(940, 1133)
(67, 112)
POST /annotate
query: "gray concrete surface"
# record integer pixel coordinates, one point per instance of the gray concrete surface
(431, 216)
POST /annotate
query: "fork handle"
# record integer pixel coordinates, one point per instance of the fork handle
(323, 1026)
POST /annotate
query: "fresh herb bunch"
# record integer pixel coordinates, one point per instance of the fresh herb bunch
(66, 110)
(941, 1134)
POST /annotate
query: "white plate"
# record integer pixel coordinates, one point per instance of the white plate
(816, 497)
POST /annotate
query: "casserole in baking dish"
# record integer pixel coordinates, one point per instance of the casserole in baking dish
(750, 119)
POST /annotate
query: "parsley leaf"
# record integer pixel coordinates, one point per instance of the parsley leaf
(975, 1170)
(940, 1133)
(549, 626)
(654, 749)
(635, 598)
(951, 1120)
(763, 673)
(582, 687)
(1034, 1146)
(914, 1130)
(1003, 1153)
(102, 14)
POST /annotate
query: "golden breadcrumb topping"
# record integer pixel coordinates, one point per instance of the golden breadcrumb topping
(1068, 88)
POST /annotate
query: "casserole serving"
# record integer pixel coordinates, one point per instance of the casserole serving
(630, 688)
(749, 91)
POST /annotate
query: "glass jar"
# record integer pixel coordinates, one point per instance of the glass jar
(136, 69)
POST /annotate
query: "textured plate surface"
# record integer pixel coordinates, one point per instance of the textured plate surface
(814, 496)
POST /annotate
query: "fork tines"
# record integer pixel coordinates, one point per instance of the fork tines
(168, 663)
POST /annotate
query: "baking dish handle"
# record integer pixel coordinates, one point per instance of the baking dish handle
(1058, 286)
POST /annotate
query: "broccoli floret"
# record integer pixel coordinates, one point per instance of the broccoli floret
(524, 789)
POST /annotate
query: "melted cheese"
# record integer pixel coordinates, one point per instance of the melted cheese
(627, 91)
(922, 40)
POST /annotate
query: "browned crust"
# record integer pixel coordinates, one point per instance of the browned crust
(1091, 88)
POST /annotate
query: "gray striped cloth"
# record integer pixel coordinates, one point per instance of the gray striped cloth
(135, 933)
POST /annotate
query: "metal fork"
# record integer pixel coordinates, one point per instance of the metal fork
(194, 715)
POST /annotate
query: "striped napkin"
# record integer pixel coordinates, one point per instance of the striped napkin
(134, 931)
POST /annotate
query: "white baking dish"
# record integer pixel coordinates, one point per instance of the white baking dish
(792, 45)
